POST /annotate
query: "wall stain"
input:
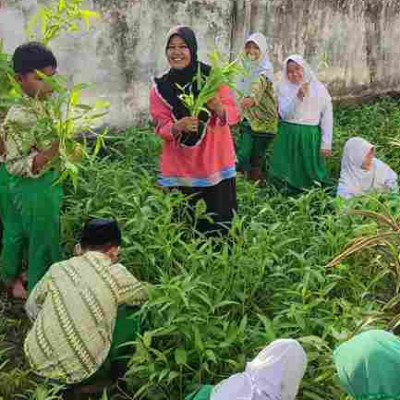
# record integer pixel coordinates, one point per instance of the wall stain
(372, 12)
(359, 35)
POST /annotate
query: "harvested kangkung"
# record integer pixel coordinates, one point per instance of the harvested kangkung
(221, 74)
(62, 118)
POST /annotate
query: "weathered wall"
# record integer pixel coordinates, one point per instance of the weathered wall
(127, 47)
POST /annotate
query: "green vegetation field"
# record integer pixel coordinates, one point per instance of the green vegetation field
(215, 306)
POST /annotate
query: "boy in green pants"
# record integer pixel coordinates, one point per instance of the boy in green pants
(80, 313)
(30, 202)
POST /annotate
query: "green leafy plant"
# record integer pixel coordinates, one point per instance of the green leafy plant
(6, 74)
(221, 74)
(214, 307)
(63, 117)
(60, 16)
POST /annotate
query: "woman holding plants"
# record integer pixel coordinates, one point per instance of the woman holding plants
(198, 153)
(305, 129)
(259, 106)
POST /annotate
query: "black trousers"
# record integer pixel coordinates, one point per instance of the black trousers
(221, 206)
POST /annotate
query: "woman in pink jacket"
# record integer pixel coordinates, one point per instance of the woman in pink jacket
(198, 153)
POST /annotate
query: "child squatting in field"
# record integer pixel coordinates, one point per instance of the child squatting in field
(362, 172)
(30, 202)
(80, 320)
(275, 373)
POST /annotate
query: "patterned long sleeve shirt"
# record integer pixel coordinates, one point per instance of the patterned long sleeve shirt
(74, 308)
(18, 142)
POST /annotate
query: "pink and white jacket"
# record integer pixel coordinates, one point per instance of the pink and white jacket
(208, 162)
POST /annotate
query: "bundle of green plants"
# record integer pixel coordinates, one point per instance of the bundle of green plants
(222, 73)
(62, 118)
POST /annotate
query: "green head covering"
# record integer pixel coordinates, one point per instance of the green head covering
(369, 366)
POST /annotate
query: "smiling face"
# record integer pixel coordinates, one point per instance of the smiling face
(178, 53)
(295, 72)
(252, 51)
(33, 84)
(368, 160)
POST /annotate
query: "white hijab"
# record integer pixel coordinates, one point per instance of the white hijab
(275, 374)
(255, 69)
(289, 89)
(354, 179)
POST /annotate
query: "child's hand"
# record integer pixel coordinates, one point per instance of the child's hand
(44, 157)
(247, 102)
(187, 124)
(215, 105)
(54, 150)
(303, 91)
(326, 152)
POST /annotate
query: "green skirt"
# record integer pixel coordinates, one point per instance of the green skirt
(30, 210)
(296, 160)
(252, 148)
(369, 366)
(203, 394)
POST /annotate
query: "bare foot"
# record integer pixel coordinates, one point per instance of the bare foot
(18, 290)
(23, 279)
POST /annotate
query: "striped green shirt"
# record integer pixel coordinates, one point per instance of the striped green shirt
(74, 308)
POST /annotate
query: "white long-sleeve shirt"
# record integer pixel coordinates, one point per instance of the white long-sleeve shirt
(387, 182)
(315, 109)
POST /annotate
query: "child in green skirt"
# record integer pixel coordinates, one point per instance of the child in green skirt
(304, 137)
(30, 201)
(259, 107)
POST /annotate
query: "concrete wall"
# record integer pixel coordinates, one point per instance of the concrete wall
(126, 48)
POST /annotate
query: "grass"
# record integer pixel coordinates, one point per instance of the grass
(215, 306)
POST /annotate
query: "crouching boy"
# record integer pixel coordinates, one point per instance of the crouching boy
(78, 324)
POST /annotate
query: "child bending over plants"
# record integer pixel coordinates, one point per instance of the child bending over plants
(80, 314)
(275, 373)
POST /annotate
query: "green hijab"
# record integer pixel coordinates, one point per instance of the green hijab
(369, 366)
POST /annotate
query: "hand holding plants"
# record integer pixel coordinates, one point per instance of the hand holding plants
(247, 102)
(303, 91)
(221, 74)
(215, 105)
(45, 156)
(187, 124)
